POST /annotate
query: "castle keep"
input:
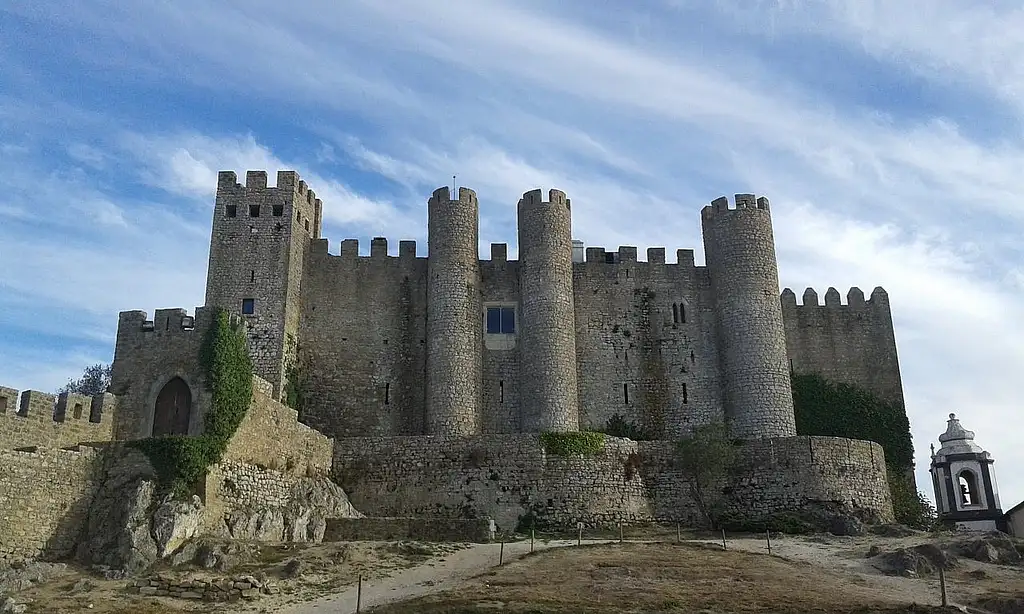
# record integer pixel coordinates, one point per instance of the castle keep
(562, 339)
(423, 377)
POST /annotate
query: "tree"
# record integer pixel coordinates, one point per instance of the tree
(705, 459)
(95, 380)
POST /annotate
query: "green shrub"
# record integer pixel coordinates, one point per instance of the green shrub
(910, 507)
(584, 443)
(181, 461)
(618, 426)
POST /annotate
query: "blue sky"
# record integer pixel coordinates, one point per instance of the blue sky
(887, 135)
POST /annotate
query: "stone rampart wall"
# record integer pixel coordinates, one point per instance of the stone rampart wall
(44, 500)
(52, 421)
(271, 435)
(511, 478)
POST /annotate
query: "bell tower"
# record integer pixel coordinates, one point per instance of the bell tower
(963, 475)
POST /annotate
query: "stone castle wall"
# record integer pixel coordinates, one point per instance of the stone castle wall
(148, 354)
(510, 477)
(44, 500)
(853, 343)
(271, 435)
(46, 420)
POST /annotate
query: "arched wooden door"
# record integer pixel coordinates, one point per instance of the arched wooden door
(173, 407)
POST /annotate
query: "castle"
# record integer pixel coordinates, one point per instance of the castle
(562, 339)
(427, 385)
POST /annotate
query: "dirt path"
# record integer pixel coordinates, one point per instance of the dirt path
(433, 577)
(847, 556)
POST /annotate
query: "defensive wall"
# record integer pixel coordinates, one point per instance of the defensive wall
(45, 494)
(54, 421)
(853, 343)
(512, 477)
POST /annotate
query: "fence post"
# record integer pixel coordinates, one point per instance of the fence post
(768, 536)
(678, 536)
(942, 586)
(532, 531)
(724, 547)
(579, 535)
(620, 532)
(359, 595)
(501, 553)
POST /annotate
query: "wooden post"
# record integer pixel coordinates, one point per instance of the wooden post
(532, 531)
(724, 547)
(501, 553)
(679, 538)
(620, 532)
(768, 536)
(942, 586)
(579, 535)
(359, 595)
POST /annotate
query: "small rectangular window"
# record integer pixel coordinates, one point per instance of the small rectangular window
(685, 399)
(248, 306)
(278, 210)
(307, 224)
(625, 394)
(254, 210)
(501, 320)
(232, 210)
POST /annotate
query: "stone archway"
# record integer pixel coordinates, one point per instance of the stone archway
(173, 409)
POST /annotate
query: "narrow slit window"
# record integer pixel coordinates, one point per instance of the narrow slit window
(675, 313)
(252, 276)
(501, 392)
(625, 394)
(387, 394)
(693, 357)
(682, 313)
(685, 396)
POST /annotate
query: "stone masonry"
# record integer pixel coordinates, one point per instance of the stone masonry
(387, 344)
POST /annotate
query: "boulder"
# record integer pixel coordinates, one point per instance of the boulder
(175, 522)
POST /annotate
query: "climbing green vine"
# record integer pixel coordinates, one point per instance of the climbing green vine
(585, 443)
(181, 460)
(835, 409)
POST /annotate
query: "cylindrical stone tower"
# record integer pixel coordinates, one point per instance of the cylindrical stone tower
(739, 248)
(547, 332)
(454, 320)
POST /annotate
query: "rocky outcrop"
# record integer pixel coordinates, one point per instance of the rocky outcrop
(310, 502)
(118, 535)
(174, 523)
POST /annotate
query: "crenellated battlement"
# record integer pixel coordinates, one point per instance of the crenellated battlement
(627, 254)
(167, 321)
(256, 181)
(536, 197)
(742, 202)
(854, 298)
(444, 195)
(33, 418)
(379, 246)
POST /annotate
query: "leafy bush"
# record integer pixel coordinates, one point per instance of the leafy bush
(181, 461)
(584, 443)
(910, 507)
(618, 426)
(705, 458)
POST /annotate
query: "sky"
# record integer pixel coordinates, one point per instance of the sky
(886, 133)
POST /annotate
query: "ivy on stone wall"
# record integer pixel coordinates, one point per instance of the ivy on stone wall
(584, 443)
(835, 409)
(181, 460)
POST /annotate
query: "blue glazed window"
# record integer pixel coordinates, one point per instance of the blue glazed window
(501, 320)
(248, 306)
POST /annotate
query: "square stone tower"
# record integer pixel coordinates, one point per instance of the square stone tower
(261, 236)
